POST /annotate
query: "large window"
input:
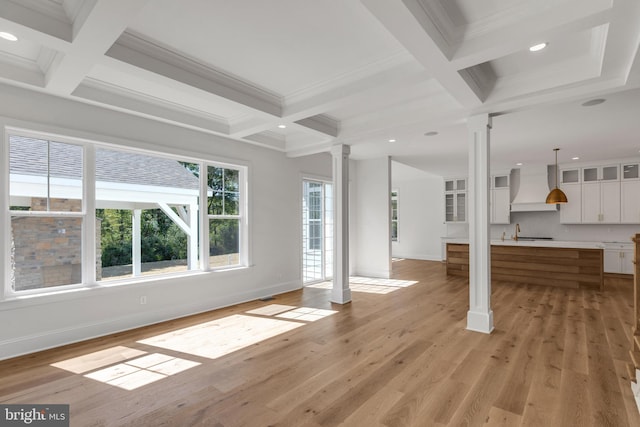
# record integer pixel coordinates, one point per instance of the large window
(46, 212)
(147, 217)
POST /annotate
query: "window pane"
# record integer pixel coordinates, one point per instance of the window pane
(224, 192)
(44, 175)
(114, 248)
(45, 252)
(162, 192)
(224, 238)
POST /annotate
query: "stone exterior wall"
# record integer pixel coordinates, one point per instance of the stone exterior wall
(48, 251)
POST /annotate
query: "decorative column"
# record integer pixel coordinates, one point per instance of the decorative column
(340, 293)
(480, 315)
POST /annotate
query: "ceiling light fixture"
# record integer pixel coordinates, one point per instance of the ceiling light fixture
(282, 126)
(519, 164)
(593, 102)
(431, 133)
(556, 195)
(537, 47)
(8, 36)
(575, 158)
(392, 140)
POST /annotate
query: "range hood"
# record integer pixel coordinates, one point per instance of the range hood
(533, 190)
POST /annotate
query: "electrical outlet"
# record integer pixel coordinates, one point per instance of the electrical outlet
(143, 300)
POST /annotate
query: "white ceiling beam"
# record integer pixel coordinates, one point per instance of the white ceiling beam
(409, 23)
(143, 55)
(99, 30)
(251, 126)
(309, 150)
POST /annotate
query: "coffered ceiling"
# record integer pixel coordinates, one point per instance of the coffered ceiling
(360, 72)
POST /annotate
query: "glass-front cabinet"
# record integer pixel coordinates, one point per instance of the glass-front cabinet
(455, 200)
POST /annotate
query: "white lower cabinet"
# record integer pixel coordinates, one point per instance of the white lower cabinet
(618, 258)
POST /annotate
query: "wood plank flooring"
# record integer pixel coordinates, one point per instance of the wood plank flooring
(402, 358)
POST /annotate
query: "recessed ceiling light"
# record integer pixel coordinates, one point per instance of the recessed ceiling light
(8, 36)
(592, 102)
(282, 126)
(392, 140)
(537, 47)
(431, 133)
(575, 158)
(518, 164)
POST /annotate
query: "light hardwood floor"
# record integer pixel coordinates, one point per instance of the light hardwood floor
(399, 356)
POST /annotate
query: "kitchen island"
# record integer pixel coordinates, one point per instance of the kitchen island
(537, 262)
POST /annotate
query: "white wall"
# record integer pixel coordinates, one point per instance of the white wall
(371, 202)
(31, 324)
(420, 213)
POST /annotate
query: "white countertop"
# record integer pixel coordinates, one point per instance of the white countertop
(534, 243)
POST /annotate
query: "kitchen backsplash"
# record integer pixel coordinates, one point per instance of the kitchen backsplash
(547, 224)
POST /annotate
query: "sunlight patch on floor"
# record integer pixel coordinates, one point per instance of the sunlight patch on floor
(142, 371)
(307, 314)
(271, 309)
(370, 285)
(221, 336)
(98, 359)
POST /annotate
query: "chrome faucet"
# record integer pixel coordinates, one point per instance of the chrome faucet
(517, 231)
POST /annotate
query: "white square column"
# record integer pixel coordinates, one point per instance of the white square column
(340, 292)
(480, 316)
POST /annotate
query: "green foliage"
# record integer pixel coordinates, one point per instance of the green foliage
(160, 238)
(223, 236)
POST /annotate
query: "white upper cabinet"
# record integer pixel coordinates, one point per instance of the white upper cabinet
(606, 194)
(630, 194)
(601, 202)
(571, 212)
(500, 199)
(455, 200)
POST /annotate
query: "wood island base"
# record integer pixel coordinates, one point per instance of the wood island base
(550, 266)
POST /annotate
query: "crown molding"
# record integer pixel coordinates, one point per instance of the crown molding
(139, 103)
(152, 57)
(321, 123)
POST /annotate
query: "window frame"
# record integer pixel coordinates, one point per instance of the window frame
(88, 240)
(9, 292)
(242, 217)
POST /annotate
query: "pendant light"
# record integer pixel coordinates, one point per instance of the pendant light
(556, 195)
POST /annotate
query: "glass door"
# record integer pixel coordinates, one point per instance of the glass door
(317, 231)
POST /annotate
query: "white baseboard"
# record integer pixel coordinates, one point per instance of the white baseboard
(81, 332)
(422, 257)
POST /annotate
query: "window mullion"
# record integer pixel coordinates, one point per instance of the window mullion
(90, 231)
